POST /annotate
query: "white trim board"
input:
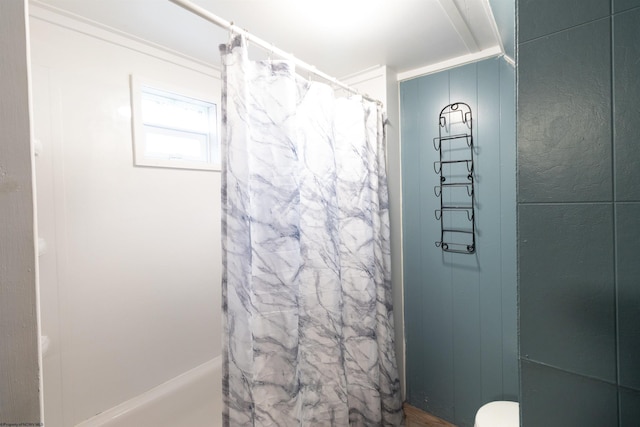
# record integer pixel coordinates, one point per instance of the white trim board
(451, 63)
(460, 25)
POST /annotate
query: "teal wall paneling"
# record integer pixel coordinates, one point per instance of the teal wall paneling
(436, 322)
(504, 13)
(460, 310)
(488, 179)
(508, 265)
(465, 274)
(411, 215)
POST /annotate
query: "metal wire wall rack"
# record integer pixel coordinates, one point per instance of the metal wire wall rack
(455, 168)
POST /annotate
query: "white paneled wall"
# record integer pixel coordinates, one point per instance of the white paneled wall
(130, 279)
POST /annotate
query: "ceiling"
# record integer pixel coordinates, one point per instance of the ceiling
(340, 37)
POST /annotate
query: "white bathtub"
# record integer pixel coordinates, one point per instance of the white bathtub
(193, 399)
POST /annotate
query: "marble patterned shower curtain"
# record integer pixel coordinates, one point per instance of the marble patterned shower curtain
(306, 284)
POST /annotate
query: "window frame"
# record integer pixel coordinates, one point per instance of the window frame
(137, 85)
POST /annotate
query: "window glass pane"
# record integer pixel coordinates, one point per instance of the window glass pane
(176, 112)
(175, 145)
(173, 130)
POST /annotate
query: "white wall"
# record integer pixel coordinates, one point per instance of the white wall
(130, 279)
(381, 83)
(20, 399)
(131, 271)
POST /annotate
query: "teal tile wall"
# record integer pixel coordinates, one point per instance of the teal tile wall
(628, 233)
(460, 310)
(574, 400)
(622, 5)
(542, 17)
(629, 407)
(579, 212)
(567, 296)
(626, 45)
(563, 109)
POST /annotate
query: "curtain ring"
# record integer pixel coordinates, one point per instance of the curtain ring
(270, 55)
(231, 32)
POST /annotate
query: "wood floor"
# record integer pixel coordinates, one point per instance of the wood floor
(418, 418)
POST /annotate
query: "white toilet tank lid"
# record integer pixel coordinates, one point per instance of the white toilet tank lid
(498, 414)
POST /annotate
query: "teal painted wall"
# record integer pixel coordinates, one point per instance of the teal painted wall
(504, 12)
(460, 310)
(579, 212)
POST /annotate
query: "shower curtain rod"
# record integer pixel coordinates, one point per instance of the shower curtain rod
(203, 13)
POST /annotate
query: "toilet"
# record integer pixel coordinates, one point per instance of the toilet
(498, 414)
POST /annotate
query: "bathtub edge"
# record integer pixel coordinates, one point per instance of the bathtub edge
(139, 402)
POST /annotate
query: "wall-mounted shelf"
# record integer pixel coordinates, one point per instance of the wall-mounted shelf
(456, 189)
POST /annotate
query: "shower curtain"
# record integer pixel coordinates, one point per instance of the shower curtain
(306, 283)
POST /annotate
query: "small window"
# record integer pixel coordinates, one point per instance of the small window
(172, 129)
